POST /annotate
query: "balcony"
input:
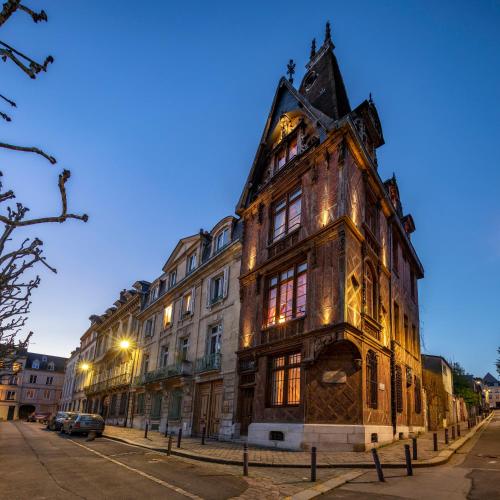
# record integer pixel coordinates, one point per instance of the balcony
(110, 383)
(181, 369)
(285, 243)
(209, 362)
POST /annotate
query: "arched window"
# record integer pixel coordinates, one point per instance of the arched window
(370, 292)
(371, 380)
(36, 364)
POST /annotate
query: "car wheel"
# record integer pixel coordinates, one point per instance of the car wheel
(98, 434)
(70, 431)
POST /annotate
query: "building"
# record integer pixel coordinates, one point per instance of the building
(10, 386)
(41, 380)
(111, 368)
(491, 389)
(186, 370)
(329, 351)
(67, 401)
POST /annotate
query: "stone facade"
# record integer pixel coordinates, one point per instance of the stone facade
(189, 336)
(329, 328)
(67, 401)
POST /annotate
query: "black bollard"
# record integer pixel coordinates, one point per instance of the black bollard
(468, 423)
(446, 437)
(313, 464)
(203, 434)
(453, 433)
(415, 452)
(409, 468)
(166, 429)
(245, 459)
(378, 466)
(179, 437)
(459, 432)
(146, 431)
(435, 440)
(169, 446)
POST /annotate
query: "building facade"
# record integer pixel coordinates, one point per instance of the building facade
(491, 389)
(11, 386)
(329, 350)
(67, 402)
(186, 376)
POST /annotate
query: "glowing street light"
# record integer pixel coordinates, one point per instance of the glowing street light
(84, 367)
(124, 344)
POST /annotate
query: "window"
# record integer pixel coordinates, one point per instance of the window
(162, 288)
(284, 155)
(123, 403)
(396, 322)
(191, 263)
(51, 366)
(286, 214)
(407, 333)
(172, 278)
(287, 293)
(221, 239)
(33, 379)
(145, 363)
(36, 364)
(395, 254)
(153, 294)
(285, 380)
(46, 394)
(216, 288)
(398, 382)
(112, 406)
(164, 356)
(215, 339)
(174, 410)
(370, 293)
(414, 335)
(371, 214)
(292, 149)
(167, 316)
(371, 380)
(156, 406)
(187, 304)
(49, 381)
(139, 404)
(281, 159)
(11, 395)
(418, 395)
(30, 394)
(184, 346)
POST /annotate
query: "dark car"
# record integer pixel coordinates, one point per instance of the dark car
(56, 421)
(38, 417)
(83, 423)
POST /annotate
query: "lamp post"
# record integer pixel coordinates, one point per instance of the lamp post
(125, 346)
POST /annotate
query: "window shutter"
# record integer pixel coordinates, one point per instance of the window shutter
(193, 295)
(209, 286)
(226, 281)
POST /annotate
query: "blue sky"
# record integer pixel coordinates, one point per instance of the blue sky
(158, 110)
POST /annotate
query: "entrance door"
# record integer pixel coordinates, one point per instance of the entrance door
(10, 413)
(246, 409)
(208, 408)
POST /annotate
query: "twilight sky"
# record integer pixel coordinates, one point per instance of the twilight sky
(157, 108)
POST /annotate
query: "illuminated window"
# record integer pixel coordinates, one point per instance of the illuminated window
(187, 304)
(167, 316)
(286, 153)
(285, 380)
(287, 294)
(281, 159)
(286, 214)
(292, 149)
(370, 292)
(371, 380)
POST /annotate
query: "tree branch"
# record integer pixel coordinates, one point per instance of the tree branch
(27, 149)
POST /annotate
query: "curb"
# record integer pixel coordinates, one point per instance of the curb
(443, 457)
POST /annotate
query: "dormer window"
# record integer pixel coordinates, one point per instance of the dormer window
(283, 155)
(172, 278)
(191, 263)
(281, 159)
(221, 239)
(36, 364)
(51, 366)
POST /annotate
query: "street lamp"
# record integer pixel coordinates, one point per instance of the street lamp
(84, 367)
(124, 344)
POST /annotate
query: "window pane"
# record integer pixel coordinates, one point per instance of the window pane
(271, 306)
(281, 158)
(294, 214)
(294, 386)
(292, 150)
(279, 224)
(279, 362)
(278, 378)
(301, 295)
(286, 301)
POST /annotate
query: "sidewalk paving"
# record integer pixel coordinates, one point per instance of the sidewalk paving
(231, 453)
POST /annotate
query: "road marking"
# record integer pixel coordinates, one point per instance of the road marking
(141, 473)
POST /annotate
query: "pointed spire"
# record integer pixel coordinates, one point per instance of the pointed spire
(328, 32)
(290, 70)
(313, 48)
(370, 100)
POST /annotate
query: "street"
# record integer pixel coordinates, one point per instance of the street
(44, 464)
(473, 473)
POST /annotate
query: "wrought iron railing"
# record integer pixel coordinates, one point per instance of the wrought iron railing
(110, 383)
(183, 368)
(209, 362)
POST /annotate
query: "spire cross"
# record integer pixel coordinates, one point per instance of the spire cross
(290, 70)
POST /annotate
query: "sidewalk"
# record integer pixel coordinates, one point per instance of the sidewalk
(230, 453)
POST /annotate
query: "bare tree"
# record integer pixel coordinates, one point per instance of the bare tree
(20, 256)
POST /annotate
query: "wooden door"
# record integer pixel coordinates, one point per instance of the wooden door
(215, 409)
(208, 408)
(246, 405)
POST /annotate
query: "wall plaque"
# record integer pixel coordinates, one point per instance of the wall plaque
(335, 377)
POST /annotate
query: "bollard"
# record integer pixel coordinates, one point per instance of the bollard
(169, 446)
(446, 437)
(313, 464)
(179, 437)
(409, 468)
(453, 433)
(203, 434)
(468, 423)
(459, 432)
(435, 440)
(146, 431)
(166, 429)
(245, 459)
(378, 466)
(415, 452)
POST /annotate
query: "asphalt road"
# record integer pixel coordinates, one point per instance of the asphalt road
(472, 474)
(37, 464)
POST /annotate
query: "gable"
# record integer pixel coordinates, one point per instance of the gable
(184, 246)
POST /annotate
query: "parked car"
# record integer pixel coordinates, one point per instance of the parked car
(56, 421)
(38, 417)
(83, 423)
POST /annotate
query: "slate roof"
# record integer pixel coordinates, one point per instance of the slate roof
(59, 363)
